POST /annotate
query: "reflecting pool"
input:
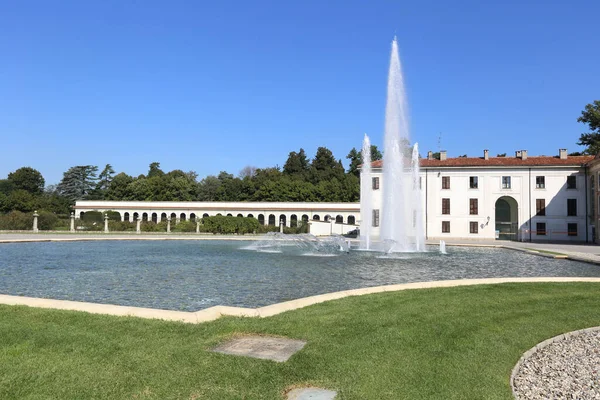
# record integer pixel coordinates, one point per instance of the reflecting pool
(190, 275)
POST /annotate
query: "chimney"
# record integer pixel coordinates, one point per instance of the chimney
(562, 154)
(486, 154)
(523, 154)
(442, 155)
(430, 155)
(518, 154)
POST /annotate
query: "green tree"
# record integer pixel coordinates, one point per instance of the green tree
(297, 164)
(154, 170)
(6, 186)
(105, 177)
(591, 116)
(28, 179)
(208, 188)
(356, 159)
(118, 188)
(78, 182)
(324, 167)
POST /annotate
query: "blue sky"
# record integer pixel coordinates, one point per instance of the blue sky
(219, 85)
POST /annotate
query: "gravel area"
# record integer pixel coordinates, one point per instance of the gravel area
(566, 367)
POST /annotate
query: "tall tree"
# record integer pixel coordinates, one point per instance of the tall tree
(296, 164)
(28, 179)
(154, 170)
(78, 182)
(118, 189)
(591, 116)
(356, 159)
(208, 188)
(105, 177)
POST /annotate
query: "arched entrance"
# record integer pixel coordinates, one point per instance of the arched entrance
(507, 218)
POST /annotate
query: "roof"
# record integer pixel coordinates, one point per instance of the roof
(531, 161)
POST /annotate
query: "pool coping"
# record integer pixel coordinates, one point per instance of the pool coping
(213, 313)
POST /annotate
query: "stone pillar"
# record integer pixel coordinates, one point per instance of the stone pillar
(35, 222)
(197, 225)
(105, 223)
(138, 227)
(281, 226)
(168, 224)
(177, 221)
(72, 228)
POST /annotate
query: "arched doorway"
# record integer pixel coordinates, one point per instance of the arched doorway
(507, 218)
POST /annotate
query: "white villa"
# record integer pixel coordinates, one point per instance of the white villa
(525, 198)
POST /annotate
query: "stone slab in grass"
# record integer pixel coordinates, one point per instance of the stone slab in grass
(264, 347)
(311, 393)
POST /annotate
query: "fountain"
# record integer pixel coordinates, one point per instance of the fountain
(402, 227)
(304, 244)
(366, 198)
(443, 247)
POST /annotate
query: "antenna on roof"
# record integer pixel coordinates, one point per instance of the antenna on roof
(439, 142)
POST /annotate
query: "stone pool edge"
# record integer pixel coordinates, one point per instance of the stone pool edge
(213, 313)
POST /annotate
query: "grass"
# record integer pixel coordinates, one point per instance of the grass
(545, 251)
(447, 343)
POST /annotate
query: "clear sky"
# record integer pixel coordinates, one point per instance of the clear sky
(219, 85)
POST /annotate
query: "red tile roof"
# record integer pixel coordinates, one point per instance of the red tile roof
(531, 161)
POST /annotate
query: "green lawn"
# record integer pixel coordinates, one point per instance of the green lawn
(448, 343)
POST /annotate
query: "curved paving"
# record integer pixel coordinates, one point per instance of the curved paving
(213, 313)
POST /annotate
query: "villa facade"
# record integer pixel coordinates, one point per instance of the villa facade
(525, 198)
(541, 198)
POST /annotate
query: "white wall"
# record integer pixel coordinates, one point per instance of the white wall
(489, 191)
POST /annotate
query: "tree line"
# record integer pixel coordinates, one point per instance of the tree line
(320, 179)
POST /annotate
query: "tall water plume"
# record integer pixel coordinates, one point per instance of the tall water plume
(401, 217)
(366, 196)
(416, 203)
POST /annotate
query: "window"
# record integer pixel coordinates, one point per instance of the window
(571, 182)
(375, 183)
(540, 206)
(445, 182)
(572, 229)
(506, 182)
(540, 229)
(375, 217)
(540, 182)
(572, 207)
(473, 207)
(473, 184)
(445, 226)
(473, 227)
(445, 206)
